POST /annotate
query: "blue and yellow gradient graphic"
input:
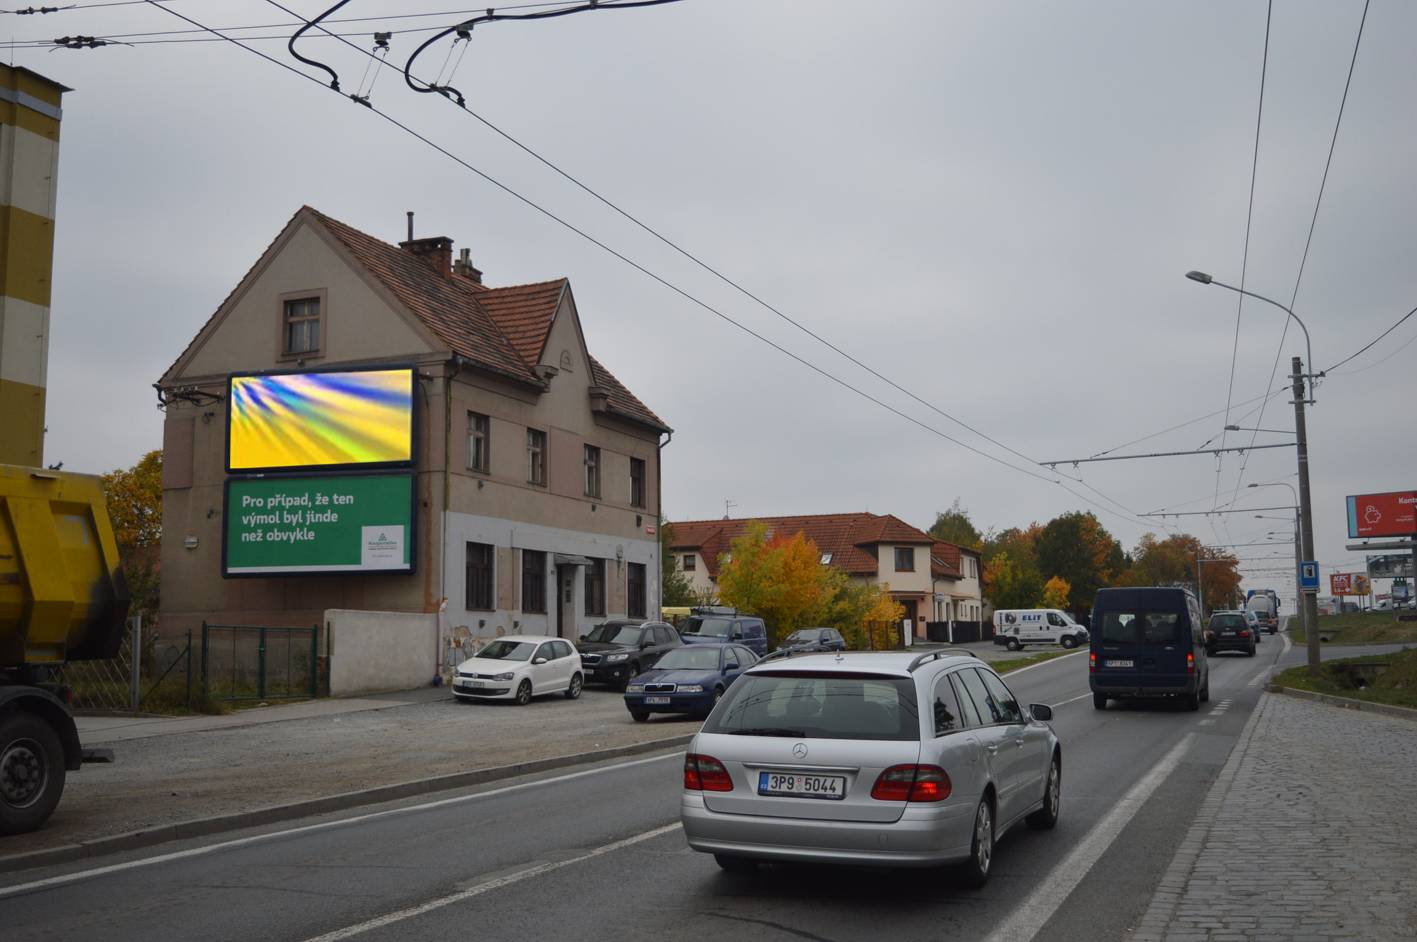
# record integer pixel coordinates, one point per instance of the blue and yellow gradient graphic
(321, 420)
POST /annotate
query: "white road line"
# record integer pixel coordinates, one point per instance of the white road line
(1051, 660)
(1073, 700)
(1035, 910)
(80, 875)
(520, 875)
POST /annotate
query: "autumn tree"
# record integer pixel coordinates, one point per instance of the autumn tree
(1009, 583)
(1077, 548)
(954, 526)
(1056, 592)
(1172, 561)
(134, 498)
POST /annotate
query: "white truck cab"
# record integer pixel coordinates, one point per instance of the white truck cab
(1016, 627)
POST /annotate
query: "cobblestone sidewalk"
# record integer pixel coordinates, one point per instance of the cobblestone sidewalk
(1309, 833)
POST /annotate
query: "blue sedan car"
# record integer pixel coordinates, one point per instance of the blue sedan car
(687, 680)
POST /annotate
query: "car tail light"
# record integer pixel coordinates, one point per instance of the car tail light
(1190, 663)
(1092, 662)
(912, 783)
(1244, 632)
(705, 774)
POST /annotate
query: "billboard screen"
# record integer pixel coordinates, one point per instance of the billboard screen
(302, 525)
(320, 420)
(1392, 566)
(1391, 514)
(1348, 583)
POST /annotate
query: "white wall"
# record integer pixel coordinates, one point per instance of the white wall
(372, 652)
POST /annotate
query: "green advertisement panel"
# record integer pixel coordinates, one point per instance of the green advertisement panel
(292, 525)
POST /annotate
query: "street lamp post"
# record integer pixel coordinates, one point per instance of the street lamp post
(1310, 600)
(1298, 551)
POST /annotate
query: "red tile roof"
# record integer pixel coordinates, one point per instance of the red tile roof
(946, 559)
(850, 538)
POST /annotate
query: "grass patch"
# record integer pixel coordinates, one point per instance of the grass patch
(1395, 685)
(1014, 663)
(1359, 628)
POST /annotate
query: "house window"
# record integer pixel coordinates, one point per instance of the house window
(536, 457)
(479, 442)
(826, 559)
(480, 597)
(300, 326)
(905, 559)
(534, 582)
(637, 482)
(592, 471)
(635, 584)
(691, 562)
(595, 587)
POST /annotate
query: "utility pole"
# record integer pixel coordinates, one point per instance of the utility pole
(1310, 600)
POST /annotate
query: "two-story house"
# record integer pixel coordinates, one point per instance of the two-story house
(958, 597)
(536, 472)
(876, 548)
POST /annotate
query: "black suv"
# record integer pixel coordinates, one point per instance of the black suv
(1231, 631)
(813, 639)
(615, 651)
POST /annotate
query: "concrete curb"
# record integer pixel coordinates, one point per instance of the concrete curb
(201, 827)
(1387, 709)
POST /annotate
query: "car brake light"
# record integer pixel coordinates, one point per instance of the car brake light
(912, 783)
(706, 774)
(1092, 662)
(1244, 632)
(1190, 663)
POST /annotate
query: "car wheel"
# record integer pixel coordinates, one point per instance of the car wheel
(524, 693)
(1046, 817)
(735, 864)
(1070, 642)
(573, 692)
(1193, 702)
(981, 846)
(1099, 701)
(1205, 691)
(1013, 644)
(639, 716)
(31, 772)
(1251, 652)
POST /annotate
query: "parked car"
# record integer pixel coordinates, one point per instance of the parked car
(689, 679)
(720, 625)
(813, 639)
(886, 759)
(1257, 626)
(519, 667)
(1016, 627)
(1231, 631)
(615, 651)
(1147, 643)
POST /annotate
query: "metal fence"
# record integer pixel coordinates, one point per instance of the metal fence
(257, 662)
(150, 672)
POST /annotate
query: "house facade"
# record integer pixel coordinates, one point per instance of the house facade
(536, 472)
(958, 588)
(875, 548)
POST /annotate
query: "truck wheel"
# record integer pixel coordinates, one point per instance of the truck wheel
(1013, 644)
(1069, 641)
(31, 772)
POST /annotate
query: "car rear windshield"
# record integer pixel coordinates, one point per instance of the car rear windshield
(709, 627)
(1142, 628)
(808, 705)
(1228, 621)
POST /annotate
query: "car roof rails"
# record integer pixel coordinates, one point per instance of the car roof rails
(936, 655)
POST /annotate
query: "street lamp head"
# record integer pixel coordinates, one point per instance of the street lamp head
(1200, 276)
(1232, 428)
(1252, 485)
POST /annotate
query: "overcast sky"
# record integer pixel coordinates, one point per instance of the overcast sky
(994, 204)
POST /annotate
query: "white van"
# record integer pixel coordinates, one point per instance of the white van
(1015, 627)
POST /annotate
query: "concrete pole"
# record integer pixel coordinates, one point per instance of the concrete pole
(1306, 513)
(1298, 588)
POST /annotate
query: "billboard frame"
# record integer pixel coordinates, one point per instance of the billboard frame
(1351, 511)
(413, 529)
(414, 424)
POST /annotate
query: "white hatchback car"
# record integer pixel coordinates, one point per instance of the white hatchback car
(889, 759)
(519, 667)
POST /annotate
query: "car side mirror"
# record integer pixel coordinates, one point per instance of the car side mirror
(540, 660)
(1042, 712)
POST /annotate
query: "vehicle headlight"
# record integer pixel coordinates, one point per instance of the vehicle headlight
(635, 688)
(616, 657)
(507, 676)
(691, 688)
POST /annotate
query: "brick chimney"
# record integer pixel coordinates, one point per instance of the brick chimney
(437, 250)
(463, 266)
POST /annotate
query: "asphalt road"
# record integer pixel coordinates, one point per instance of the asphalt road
(597, 854)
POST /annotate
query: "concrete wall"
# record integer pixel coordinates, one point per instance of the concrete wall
(372, 652)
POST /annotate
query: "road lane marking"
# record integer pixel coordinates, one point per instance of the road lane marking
(390, 918)
(1051, 660)
(1034, 912)
(1073, 700)
(80, 875)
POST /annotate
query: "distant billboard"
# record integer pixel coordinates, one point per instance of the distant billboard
(320, 420)
(298, 525)
(1348, 583)
(1390, 514)
(1390, 566)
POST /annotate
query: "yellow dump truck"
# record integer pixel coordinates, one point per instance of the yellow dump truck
(62, 598)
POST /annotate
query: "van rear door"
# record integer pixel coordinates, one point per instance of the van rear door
(1143, 647)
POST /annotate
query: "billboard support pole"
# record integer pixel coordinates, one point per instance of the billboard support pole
(1309, 600)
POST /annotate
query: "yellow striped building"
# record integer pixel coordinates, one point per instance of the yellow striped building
(29, 167)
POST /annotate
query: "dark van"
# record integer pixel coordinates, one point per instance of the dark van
(720, 625)
(1147, 642)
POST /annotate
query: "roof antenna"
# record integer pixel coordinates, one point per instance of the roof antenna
(410, 225)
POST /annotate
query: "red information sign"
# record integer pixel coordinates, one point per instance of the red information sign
(1391, 514)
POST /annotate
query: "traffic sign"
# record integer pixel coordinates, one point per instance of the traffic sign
(1309, 576)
